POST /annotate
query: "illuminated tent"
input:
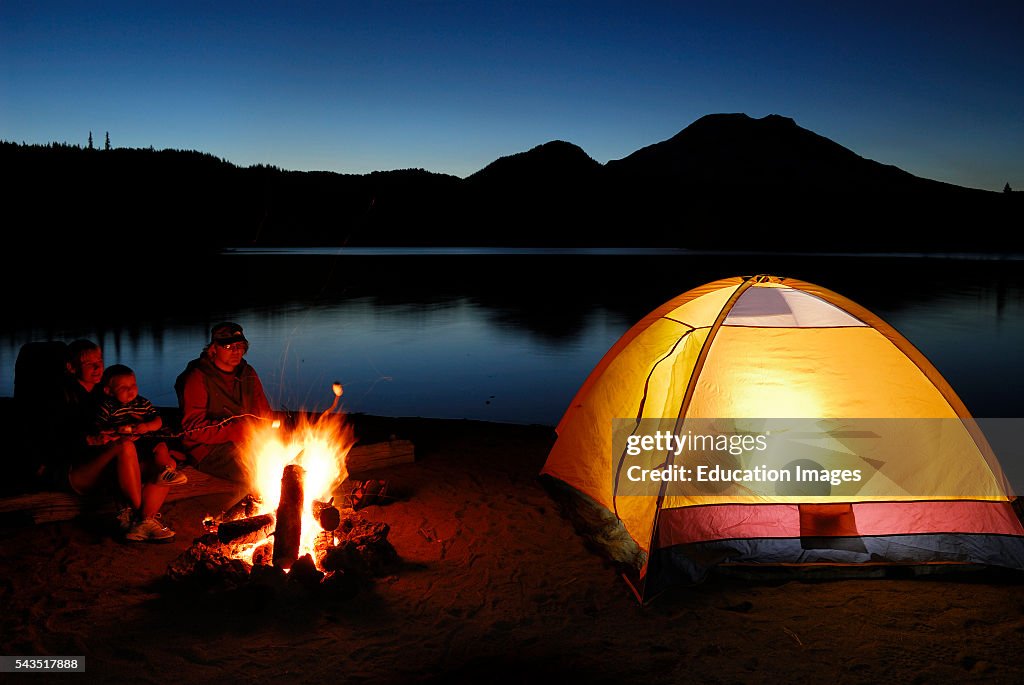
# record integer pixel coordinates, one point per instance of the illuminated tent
(756, 350)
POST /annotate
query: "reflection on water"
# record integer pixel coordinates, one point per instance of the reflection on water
(502, 336)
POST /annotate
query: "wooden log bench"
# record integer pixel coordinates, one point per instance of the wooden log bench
(362, 459)
(47, 506)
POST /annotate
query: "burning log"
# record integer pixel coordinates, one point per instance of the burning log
(243, 508)
(247, 530)
(263, 555)
(288, 534)
(323, 542)
(327, 514)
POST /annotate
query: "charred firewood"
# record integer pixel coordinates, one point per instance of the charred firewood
(368, 542)
(208, 539)
(246, 530)
(243, 508)
(209, 568)
(263, 555)
(326, 514)
(341, 585)
(341, 558)
(323, 542)
(362, 532)
(288, 534)
(364, 550)
(305, 574)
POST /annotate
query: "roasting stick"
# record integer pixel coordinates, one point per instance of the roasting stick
(275, 423)
(338, 390)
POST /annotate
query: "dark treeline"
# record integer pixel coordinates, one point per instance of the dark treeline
(725, 182)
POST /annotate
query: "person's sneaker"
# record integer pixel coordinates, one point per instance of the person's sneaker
(171, 477)
(125, 519)
(150, 530)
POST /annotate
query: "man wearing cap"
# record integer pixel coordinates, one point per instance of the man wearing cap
(220, 394)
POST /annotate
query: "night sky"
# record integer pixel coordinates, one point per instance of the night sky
(934, 88)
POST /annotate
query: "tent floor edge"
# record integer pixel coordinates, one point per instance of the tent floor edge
(826, 572)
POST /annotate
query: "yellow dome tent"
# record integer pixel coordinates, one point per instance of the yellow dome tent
(747, 354)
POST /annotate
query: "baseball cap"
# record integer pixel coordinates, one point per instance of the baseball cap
(226, 333)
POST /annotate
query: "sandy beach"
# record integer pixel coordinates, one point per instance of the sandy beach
(494, 586)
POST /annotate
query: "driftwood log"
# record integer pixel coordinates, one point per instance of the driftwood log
(247, 530)
(288, 534)
(46, 507)
(378, 455)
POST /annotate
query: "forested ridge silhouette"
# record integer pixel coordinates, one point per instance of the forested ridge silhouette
(727, 181)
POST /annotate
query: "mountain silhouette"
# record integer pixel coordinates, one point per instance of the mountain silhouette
(726, 181)
(732, 181)
(774, 152)
(548, 162)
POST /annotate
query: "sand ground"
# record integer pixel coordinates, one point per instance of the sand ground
(495, 586)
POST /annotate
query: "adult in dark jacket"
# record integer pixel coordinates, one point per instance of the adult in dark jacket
(220, 396)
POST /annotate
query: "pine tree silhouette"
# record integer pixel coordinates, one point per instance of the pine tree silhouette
(1007, 188)
(106, 144)
(90, 140)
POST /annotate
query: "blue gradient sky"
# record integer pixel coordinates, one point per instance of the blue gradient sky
(354, 87)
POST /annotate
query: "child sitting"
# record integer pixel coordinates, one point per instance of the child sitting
(125, 412)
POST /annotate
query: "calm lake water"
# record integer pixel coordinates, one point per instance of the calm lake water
(502, 335)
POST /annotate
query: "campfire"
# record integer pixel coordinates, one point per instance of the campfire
(294, 525)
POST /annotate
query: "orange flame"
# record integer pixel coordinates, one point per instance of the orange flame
(319, 447)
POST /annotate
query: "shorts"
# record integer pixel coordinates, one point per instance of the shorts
(145, 446)
(224, 460)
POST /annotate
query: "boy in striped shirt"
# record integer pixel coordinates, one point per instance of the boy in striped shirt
(125, 412)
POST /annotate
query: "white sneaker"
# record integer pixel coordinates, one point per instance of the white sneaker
(149, 530)
(171, 477)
